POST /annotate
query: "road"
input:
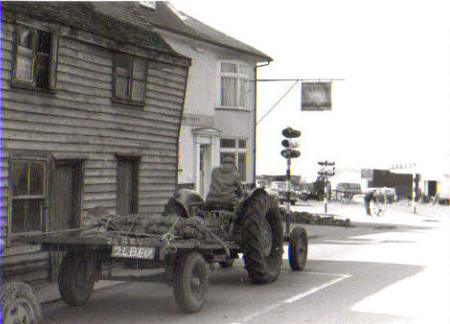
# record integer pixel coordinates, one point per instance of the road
(373, 272)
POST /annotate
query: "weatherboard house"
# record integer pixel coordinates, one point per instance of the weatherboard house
(91, 103)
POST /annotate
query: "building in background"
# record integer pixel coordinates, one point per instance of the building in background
(220, 108)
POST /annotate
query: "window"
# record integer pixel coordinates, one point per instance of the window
(28, 195)
(234, 89)
(130, 76)
(35, 59)
(237, 149)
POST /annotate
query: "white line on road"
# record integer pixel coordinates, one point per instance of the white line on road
(268, 309)
(316, 289)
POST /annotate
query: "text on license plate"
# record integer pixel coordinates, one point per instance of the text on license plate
(137, 252)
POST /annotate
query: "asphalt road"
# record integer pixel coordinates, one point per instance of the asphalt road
(374, 272)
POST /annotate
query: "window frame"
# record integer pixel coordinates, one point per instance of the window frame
(129, 100)
(237, 150)
(239, 77)
(51, 71)
(42, 197)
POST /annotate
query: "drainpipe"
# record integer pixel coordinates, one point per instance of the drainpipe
(254, 117)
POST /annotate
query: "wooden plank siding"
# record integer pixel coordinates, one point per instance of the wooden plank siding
(80, 121)
(4, 167)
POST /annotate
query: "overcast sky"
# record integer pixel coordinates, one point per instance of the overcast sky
(392, 107)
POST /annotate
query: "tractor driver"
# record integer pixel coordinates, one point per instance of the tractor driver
(225, 188)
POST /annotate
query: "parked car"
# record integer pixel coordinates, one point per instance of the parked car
(346, 190)
(281, 190)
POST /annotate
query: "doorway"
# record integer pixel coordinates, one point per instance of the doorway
(127, 185)
(203, 169)
(67, 203)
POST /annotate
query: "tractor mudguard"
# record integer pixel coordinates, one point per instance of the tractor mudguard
(182, 201)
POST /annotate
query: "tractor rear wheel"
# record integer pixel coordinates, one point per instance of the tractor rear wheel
(262, 239)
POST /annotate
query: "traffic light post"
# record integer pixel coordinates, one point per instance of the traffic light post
(327, 170)
(289, 152)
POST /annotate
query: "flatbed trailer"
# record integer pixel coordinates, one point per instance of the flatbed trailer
(91, 253)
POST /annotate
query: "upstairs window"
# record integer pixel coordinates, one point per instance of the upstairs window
(234, 89)
(130, 74)
(35, 64)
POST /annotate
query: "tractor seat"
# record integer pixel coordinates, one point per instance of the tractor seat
(218, 205)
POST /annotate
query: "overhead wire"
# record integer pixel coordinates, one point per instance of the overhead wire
(279, 100)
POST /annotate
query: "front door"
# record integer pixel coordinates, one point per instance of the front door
(67, 204)
(127, 181)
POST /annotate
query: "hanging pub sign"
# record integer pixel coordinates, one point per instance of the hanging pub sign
(316, 96)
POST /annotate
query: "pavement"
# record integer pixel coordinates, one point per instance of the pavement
(398, 213)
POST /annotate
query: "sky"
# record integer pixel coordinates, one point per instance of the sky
(393, 104)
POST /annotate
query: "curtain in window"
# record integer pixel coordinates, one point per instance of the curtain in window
(243, 92)
(228, 91)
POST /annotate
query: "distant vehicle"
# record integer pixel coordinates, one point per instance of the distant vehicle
(281, 189)
(346, 190)
(303, 194)
(303, 191)
(262, 183)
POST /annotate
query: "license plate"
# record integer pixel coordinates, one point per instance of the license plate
(135, 252)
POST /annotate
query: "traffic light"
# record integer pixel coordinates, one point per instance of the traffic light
(326, 163)
(289, 152)
(289, 132)
(327, 168)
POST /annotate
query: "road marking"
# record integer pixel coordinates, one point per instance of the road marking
(316, 289)
(268, 309)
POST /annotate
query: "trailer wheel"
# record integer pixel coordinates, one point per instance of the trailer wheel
(19, 304)
(262, 241)
(298, 248)
(76, 279)
(191, 282)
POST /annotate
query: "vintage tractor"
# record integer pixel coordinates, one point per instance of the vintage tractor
(255, 227)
